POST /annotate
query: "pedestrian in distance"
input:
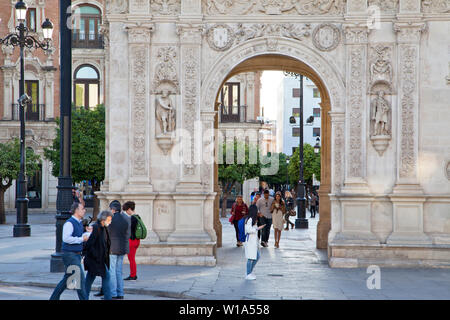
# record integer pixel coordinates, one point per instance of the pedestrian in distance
(238, 211)
(119, 232)
(130, 209)
(96, 254)
(264, 204)
(289, 209)
(278, 209)
(77, 196)
(251, 245)
(312, 202)
(72, 248)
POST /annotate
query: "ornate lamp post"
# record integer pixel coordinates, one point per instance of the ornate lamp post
(64, 197)
(22, 39)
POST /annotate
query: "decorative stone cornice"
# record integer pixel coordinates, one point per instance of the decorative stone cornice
(190, 33)
(408, 32)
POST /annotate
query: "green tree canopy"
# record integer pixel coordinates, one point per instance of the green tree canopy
(279, 176)
(10, 167)
(238, 162)
(311, 165)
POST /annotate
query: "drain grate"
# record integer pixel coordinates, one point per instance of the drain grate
(275, 275)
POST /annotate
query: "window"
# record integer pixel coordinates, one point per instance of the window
(86, 87)
(296, 93)
(296, 112)
(296, 132)
(316, 132)
(230, 97)
(32, 90)
(86, 28)
(294, 149)
(316, 112)
(31, 19)
(34, 189)
(316, 93)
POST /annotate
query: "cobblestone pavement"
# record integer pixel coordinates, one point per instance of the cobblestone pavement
(297, 270)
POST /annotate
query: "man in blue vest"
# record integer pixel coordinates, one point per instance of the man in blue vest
(72, 247)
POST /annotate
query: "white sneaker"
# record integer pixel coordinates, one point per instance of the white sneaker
(250, 277)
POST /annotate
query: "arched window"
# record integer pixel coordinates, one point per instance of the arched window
(87, 23)
(86, 87)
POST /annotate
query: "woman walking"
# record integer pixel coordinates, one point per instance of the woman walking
(129, 208)
(96, 254)
(278, 210)
(251, 243)
(238, 211)
(289, 209)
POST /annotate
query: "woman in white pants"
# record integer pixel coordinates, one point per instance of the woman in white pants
(251, 243)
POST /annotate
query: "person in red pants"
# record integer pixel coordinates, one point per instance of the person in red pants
(129, 208)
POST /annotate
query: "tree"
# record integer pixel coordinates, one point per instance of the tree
(279, 177)
(88, 148)
(10, 167)
(311, 165)
(236, 169)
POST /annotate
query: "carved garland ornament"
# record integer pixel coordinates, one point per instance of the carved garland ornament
(166, 7)
(326, 37)
(435, 6)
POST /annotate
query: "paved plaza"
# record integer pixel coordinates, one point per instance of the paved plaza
(297, 270)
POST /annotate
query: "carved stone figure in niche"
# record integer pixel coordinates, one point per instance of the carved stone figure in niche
(165, 112)
(381, 68)
(380, 115)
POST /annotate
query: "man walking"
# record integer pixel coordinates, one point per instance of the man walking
(263, 206)
(72, 247)
(119, 231)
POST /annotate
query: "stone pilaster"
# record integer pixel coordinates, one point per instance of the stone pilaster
(8, 72)
(407, 197)
(139, 36)
(191, 141)
(356, 38)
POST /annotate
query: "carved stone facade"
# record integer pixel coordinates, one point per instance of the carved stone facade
(385, 186)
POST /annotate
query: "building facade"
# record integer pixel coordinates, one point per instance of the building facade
(42, 84)
(384, 118)
(288, 134)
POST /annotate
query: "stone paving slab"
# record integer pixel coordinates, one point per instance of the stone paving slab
(295, 271)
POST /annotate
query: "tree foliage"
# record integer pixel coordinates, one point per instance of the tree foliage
(238, 162)
(281, 175)
(10, 167)
(311, 165)
(88, 145)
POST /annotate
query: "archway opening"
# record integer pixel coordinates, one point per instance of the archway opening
(278, 62)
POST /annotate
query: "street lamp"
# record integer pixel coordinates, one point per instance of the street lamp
(64, 197)
(317, 146)
(22, 39)
(301, 222)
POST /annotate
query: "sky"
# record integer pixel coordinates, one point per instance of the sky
(270, 81)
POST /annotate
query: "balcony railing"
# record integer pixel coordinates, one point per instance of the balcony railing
(33, 112)
(226, 117)
(87, 41)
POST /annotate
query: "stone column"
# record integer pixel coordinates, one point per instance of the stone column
(139, 35)
(8, 72)
(49, 96)
(408, 197)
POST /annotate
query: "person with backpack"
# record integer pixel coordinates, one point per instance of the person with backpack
(251, 244)
(238, 211)
(134, 241)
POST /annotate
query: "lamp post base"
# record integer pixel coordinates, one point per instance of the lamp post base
(301, 223)
(56, 263)
(21, 230)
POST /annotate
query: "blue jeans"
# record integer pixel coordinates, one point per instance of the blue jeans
(106, 284)
(252, 263)
(115, 271)
(73, 260)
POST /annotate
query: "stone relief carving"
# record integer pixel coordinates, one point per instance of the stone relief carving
(408, 57)
(380, 116)
(117, 6)
(190, 101)
(326, 37)
(447, 170)
(448, 77)
(165, 70)
(222, 37)
(380, 68)
(166, 7)
(273, 7)
(165, 112)
(385, 6)
(338, 147)
(435, 6)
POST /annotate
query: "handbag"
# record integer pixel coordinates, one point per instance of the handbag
(231, 219)
(292, 213)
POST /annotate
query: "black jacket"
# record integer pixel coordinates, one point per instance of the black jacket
(134, 222)
(120, 231)
(96, 251)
